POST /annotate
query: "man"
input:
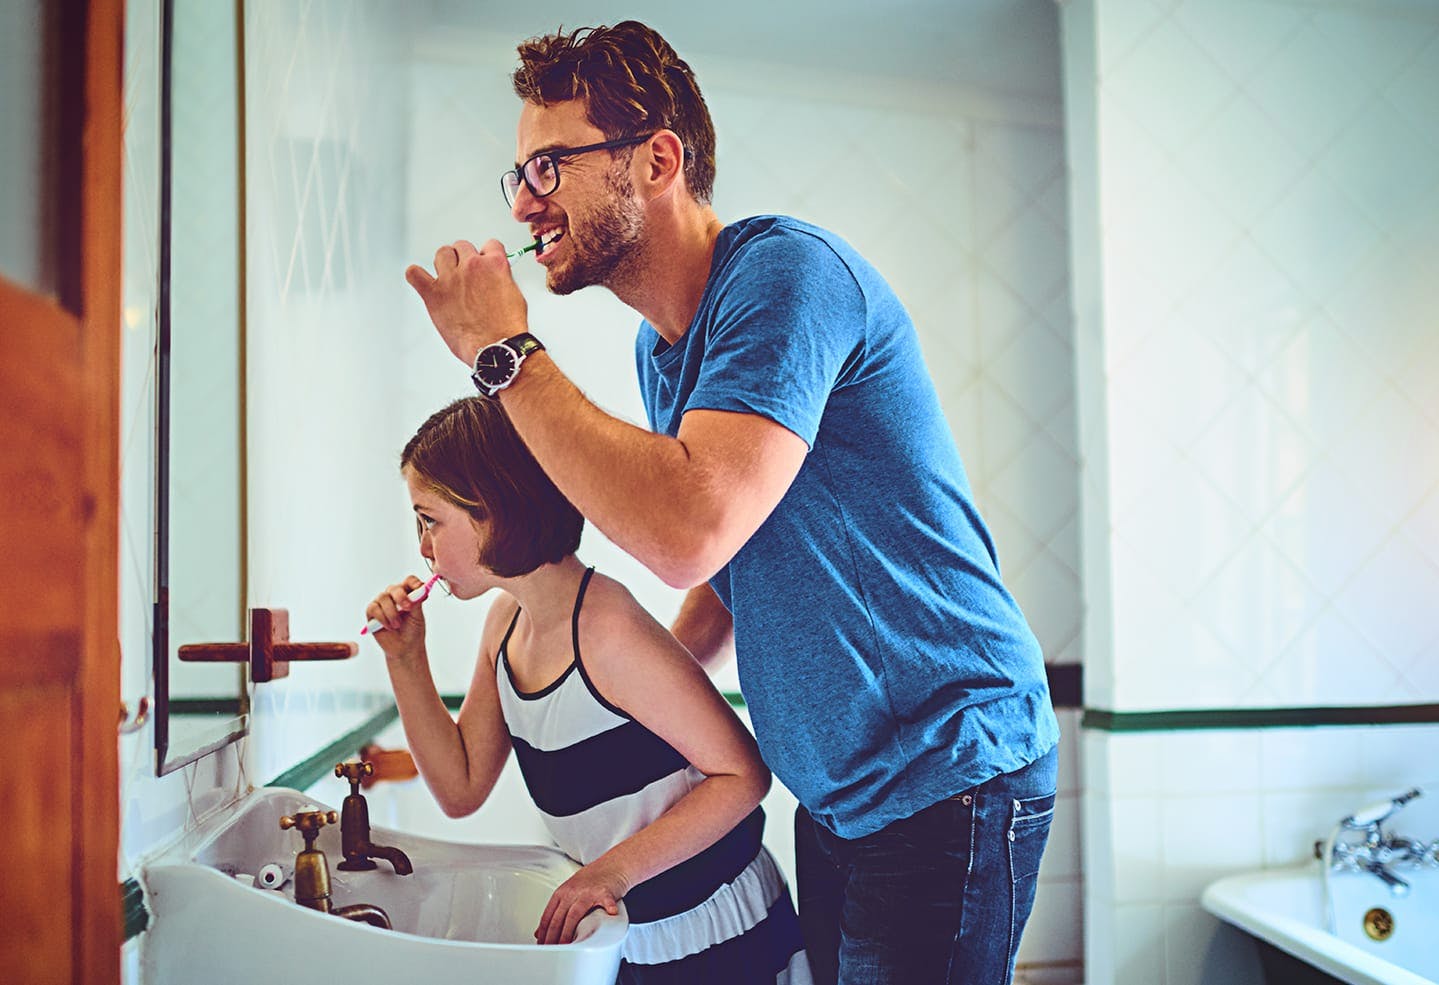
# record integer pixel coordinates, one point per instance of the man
(800, 481)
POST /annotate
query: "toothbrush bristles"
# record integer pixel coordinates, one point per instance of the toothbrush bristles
(538, 246)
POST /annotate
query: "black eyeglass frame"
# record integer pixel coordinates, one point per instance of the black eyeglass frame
(555, 156)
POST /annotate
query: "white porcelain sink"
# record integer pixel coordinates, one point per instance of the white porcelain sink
(467, 914)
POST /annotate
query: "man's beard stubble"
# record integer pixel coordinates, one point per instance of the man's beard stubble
(610, 235)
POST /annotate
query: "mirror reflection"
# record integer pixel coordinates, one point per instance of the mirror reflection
(201, 502)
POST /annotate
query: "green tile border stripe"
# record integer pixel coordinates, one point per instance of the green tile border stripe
(204, 706)
(322, 764)
(1256, 718)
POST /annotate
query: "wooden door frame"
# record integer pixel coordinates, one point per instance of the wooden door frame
(61, 665)
(99, 922)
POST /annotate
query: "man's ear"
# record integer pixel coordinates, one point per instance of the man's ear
(663, 160)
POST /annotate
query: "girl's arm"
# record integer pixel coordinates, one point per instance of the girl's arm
(638, 666)
(459, 760)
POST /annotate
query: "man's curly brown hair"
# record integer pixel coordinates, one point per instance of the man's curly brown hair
(632, 82)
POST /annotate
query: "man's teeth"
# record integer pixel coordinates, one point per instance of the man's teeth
(550, 238)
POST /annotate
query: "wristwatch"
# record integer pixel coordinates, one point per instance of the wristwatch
(497, 364)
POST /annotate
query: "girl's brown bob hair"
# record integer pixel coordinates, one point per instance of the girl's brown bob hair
(470, 454)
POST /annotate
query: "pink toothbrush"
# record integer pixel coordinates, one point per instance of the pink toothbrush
(418, 595)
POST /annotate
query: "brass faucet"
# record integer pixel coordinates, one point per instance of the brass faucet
(312, 872)
(360, 852)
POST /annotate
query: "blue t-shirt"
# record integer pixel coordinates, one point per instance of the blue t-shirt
(885, 665)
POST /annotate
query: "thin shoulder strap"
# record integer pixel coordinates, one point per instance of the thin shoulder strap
(579, 601)
(579, 662)
(506, 641)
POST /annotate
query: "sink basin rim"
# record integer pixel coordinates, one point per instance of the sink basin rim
(192, 850)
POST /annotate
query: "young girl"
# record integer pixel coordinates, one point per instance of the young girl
(640, 770)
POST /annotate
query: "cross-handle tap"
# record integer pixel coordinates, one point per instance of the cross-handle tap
(1379, 850)
(1370, 819)
(359, 851)
(312, 873)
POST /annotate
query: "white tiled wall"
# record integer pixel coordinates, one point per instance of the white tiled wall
(326, 162)
(1261, 350)
(1167, 813)
(1250, 223)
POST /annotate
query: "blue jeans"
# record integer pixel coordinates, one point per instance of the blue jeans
(942, 896)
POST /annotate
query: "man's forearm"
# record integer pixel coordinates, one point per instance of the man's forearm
(705, 628)
(639, 488)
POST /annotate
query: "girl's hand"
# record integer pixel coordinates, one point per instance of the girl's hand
(404, 621)
(596, 885)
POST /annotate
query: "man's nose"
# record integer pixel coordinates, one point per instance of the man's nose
(526, 206)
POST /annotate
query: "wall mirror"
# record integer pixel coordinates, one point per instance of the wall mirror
(200, 450)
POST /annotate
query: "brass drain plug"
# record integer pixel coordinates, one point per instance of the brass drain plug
(1379, 924)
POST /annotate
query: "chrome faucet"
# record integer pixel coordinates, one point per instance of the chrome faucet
(359, 851)
(1377, 851)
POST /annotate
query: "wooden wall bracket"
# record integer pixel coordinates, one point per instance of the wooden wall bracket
(269, 650)
(387, 764)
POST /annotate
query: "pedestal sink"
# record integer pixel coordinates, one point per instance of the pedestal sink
(467, 914)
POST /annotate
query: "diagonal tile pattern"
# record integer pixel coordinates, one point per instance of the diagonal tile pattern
(1267, 320)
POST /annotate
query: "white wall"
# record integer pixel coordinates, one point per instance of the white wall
(1255, 229)
(326, 160)
(1264, 350)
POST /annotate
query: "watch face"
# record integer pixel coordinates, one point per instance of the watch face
(495, 365)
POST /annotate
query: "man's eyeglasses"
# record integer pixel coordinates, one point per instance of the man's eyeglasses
(541, 173)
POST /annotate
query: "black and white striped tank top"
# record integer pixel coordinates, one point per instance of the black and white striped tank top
(598, 776)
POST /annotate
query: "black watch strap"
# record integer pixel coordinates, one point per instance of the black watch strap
(524, 344)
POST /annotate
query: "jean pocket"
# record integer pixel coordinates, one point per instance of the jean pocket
(1028, 834)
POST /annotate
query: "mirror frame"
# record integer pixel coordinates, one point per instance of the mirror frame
(163, 705)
